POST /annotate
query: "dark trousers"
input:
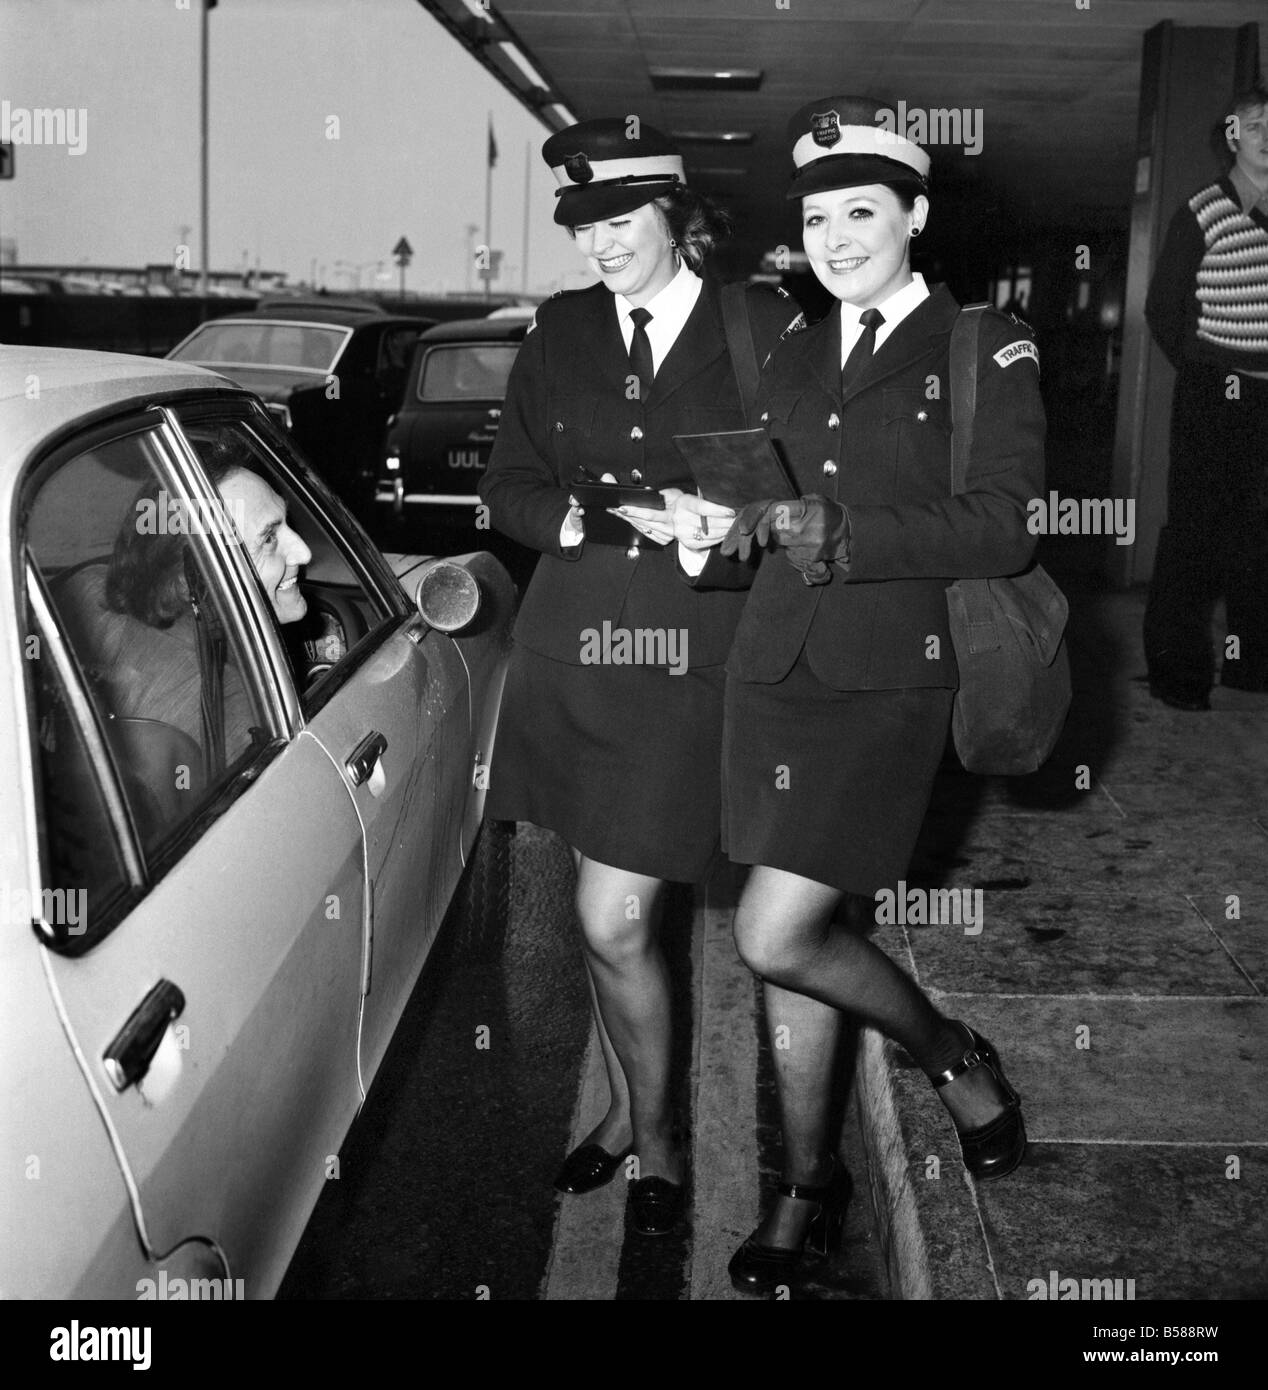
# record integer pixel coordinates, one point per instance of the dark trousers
(1215, 542)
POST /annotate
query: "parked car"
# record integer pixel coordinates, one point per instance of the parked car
(330, 372)
(245, 755)
(439, 440)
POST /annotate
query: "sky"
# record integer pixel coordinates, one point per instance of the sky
(410, 109)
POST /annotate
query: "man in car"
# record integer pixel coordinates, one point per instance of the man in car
(152, 637)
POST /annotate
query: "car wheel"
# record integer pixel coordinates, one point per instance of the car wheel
(481, 909)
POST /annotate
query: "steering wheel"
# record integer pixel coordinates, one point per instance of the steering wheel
(338, 626)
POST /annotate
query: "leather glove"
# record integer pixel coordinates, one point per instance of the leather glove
(813, 531)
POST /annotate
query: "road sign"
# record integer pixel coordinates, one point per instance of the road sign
(402, 251)
(6, 161)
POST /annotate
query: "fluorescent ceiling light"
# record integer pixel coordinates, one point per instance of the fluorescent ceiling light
(562, 114)
(706, 79)
(512, 52)
(713, 137)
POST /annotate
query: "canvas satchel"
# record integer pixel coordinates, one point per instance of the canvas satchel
(1008, 634)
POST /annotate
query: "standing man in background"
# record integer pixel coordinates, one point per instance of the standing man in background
(1208, 310)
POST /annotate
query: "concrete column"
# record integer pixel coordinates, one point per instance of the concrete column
(1186, 77)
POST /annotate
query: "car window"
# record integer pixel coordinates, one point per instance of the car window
(239, 342)
(328, 610)
(466, 371)
(84, 875)
(125, 558)
(395, 348)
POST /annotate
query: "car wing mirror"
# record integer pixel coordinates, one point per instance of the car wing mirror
(448, 596)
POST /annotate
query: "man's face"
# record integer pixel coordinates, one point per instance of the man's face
(276, 551)
(1250, 149)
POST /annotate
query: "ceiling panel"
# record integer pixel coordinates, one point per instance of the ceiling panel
(1056, 85)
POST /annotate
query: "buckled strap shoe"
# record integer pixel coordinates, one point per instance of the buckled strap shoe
(994, 1149)
(758, 1268)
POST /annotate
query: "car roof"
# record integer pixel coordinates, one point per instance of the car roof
(317, 317)
(486, 330)
(73, 383)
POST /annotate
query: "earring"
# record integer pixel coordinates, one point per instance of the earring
(673, 245)
(915, 231)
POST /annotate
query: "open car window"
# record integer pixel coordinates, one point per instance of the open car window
(157, 706)
(328, 609)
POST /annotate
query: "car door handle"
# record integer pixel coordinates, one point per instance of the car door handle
(128, 1057)
(360, 763)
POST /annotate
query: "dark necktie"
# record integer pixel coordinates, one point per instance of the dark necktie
(861, 352)
(641, 351)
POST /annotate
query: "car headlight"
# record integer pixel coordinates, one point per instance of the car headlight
(393, 462)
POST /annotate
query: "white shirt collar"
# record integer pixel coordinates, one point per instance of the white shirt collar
(894, 310)
(670, 310)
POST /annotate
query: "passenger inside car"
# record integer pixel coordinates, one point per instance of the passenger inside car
(151, 637)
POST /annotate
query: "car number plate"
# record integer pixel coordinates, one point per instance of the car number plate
(465, 458)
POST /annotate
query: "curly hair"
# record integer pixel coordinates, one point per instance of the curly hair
(695, 222)
(146, 575)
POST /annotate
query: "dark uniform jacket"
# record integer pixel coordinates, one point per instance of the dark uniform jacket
(567, 404)
(884, 451)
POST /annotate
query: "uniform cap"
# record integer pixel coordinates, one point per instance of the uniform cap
(602, 170)
(844, 142)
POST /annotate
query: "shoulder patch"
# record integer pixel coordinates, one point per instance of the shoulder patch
(1023, 347)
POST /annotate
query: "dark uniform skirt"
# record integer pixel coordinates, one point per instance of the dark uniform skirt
(829, 784)
(622, 761)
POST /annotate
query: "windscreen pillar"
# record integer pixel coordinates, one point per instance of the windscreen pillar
(1186, 78)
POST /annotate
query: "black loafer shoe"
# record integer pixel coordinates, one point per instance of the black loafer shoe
(588, 1167)
(656, 1205)
(1189, 699)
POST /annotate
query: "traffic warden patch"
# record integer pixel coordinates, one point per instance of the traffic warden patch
(1023, 347)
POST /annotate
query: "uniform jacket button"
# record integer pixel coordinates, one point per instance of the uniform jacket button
(636, 432)
(559, 427)
(834, 421)
(829, 468)
(632, 553)
(765, 415)
(922, 416)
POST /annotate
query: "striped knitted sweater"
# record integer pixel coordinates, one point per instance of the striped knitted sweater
(1208, 301)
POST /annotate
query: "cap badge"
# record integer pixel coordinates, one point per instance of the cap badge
(825, 126)
(577, 167)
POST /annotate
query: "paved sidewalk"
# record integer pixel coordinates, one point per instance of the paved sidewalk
(1121, 973)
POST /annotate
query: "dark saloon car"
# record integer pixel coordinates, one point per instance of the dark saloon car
(438, 442)
(329, 372)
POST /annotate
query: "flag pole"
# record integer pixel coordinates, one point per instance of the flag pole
(528, 173)
(488, 210)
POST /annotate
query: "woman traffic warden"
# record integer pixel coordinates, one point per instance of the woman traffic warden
(623, 761)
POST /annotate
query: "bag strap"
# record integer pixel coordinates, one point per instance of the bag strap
(964, 340)
(738, 328)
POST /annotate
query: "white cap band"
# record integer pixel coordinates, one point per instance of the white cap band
(863, 139)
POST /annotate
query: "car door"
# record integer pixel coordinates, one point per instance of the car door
(211, 987)
(392, 714)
